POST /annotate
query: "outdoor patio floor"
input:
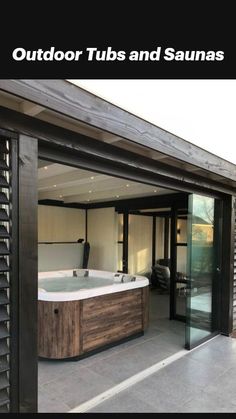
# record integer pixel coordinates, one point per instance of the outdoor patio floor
(201, 381)
(64, 385)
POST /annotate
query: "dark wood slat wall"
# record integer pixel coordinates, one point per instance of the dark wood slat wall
(5, 356)
(28, 273)
(227, 274)
(14, 260)
(234, 271)
(85, 152)
(8, 275)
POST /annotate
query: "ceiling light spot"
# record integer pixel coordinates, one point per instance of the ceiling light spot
(45, 167)
(155, 190)
(117, 196)
(88, 200)
(92, 177)
(90, 191)
(60, 196)
(127, 186)
(54, 186)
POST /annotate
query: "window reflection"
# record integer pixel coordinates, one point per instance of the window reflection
(201, 267)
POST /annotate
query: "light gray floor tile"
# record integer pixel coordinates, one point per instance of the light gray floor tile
(203, 402)
(130, 360)
(192, 373)
(210, 356)
(170, 341)
(223, 344)
(78, 387)
(129, 401)
(224, 385)
(123, 365)
(118, 368)
(49, 403)
(55, 370)
(169, 388)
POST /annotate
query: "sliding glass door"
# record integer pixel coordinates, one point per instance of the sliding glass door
(203, 269)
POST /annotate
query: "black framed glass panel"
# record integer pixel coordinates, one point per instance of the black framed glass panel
(203, 267)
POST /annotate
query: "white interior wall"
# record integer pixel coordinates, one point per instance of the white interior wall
(182, 238)
(68, 224)
(102, 236)
(140, 244)
(60, 224)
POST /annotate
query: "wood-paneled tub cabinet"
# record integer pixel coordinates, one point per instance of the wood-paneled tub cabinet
(84, 311)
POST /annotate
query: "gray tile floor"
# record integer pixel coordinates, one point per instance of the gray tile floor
(203, 380)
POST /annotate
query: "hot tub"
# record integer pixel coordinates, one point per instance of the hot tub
(83, 311)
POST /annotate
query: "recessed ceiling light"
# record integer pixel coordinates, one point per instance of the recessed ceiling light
(155, 190)
(127, 186)
(117, 196)
(54, 186)
(88, 200)
(92, 177)
(60, 196)
(46, 167)
(90, 191)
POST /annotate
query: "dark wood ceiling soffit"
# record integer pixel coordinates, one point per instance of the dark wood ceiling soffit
(78, 104)
(54, 136)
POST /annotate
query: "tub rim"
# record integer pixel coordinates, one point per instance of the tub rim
(82, 294)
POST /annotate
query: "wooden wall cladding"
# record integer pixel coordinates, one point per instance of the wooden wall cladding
(145, 304)
(73, 328)
(234, 270)
(111, 317)
(58, 329)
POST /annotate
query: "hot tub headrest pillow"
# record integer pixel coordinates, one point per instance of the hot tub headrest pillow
(119, 277)
(79, 272)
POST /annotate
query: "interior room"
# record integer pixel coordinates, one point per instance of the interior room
(113, 216)
(131, 229)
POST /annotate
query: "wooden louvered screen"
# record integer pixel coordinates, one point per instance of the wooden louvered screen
(234, 271)
(6, 224)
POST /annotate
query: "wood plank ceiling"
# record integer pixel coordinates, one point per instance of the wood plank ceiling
(68, 184)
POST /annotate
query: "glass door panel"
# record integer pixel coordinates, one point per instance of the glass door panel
(203, 259)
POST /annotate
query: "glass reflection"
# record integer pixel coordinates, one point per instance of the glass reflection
(200, 268)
